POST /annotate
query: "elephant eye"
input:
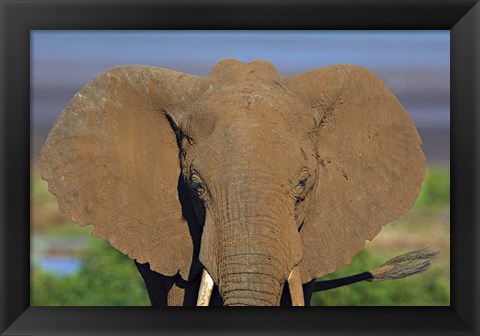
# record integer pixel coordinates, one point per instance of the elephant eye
(302, 184)
(196, 184)
(198, 188)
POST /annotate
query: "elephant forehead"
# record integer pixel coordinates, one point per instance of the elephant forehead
(238, 105)
(244, 93)
(252, 145)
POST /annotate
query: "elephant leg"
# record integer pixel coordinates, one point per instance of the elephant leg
(173, 290)
(185, 293)
(158, 286)
(308, 289)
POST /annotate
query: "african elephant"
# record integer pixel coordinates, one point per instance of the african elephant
(253, 180)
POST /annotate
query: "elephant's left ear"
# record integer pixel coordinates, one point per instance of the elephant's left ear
(112, 160)
(369, 160)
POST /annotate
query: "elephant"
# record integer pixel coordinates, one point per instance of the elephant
(239, 188)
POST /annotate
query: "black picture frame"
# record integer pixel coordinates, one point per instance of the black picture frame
(18, 17)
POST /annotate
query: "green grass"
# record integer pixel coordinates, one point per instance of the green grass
(39, 190)
(107, 278)
(435, 193)
(431, 288)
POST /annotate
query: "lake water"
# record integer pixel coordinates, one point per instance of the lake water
(60, 265)
(58, 255)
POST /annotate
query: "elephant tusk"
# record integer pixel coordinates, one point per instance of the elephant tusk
(295, 287)
(206, 288)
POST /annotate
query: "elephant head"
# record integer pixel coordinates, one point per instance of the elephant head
(254, 178)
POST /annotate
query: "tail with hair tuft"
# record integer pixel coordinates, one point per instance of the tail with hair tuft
(404, 265)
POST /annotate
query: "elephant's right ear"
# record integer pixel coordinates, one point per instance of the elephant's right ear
(112, 160)
(370, 164)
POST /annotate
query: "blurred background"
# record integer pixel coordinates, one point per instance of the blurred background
(70, 267)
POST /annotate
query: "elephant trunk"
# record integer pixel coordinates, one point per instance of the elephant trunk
(253, 263)
(247, 285)
(250, 246)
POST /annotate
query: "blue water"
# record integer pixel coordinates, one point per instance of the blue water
(45, 254)
(60, 265)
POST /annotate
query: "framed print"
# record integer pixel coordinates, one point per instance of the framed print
(72, 266)
(39, 53)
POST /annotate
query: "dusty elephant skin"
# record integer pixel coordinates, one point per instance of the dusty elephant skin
(254, 178)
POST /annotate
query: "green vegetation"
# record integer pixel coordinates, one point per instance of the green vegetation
(39, 190)
(428, 289)
(109, 278)
(435, 193)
